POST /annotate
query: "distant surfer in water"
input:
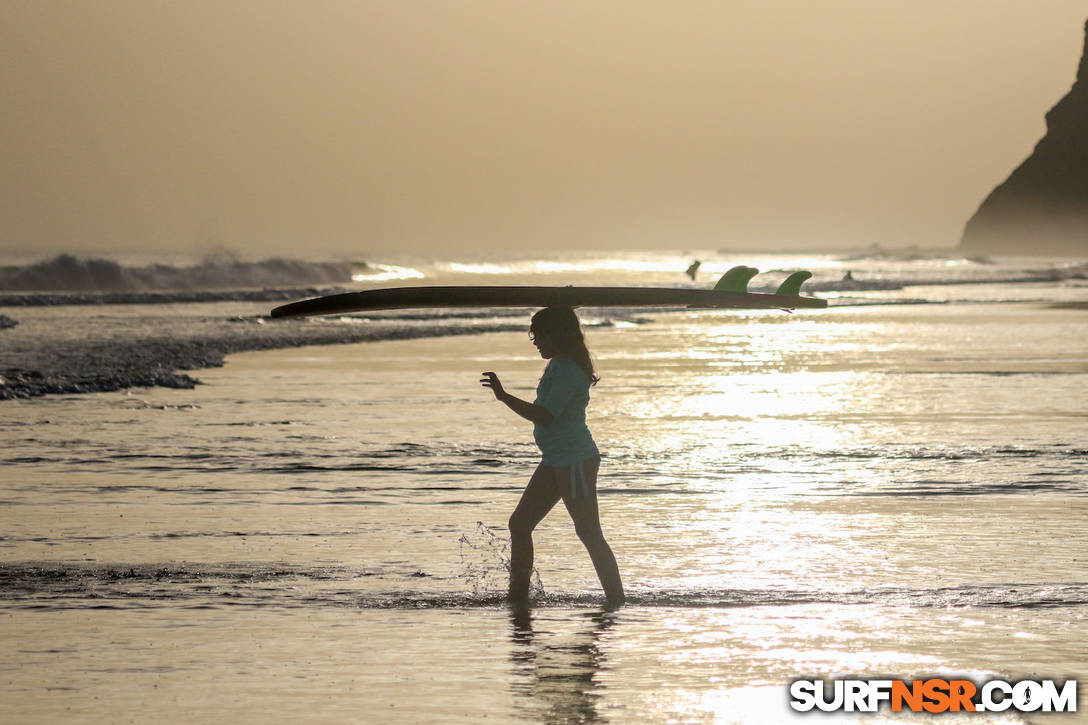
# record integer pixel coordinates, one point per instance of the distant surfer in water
(570, 459)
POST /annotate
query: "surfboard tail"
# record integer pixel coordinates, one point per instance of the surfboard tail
(738, 278)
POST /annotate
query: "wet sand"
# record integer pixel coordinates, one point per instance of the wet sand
(49, 354)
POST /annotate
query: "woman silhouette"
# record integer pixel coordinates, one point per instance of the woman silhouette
(570, 459)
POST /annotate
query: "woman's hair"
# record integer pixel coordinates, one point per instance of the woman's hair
(561, 325)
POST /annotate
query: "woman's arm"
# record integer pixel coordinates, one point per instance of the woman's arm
(533, 413)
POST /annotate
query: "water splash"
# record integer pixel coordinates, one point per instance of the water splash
(485, 563)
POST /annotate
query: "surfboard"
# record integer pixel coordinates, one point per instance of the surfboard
(730, 292)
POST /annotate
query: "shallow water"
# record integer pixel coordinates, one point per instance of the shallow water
(318, 533)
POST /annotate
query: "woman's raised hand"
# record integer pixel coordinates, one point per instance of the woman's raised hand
(491, 380)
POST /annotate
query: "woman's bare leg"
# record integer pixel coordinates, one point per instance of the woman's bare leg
(537, 500)
(578, 485)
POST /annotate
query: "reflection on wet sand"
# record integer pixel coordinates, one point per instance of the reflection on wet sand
(556, 674)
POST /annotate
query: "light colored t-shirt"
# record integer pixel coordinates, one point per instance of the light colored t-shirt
(564, 392)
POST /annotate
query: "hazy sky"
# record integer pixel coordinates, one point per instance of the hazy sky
(357, 127)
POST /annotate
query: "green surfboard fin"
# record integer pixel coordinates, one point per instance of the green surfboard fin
(791, 287)
(736, 279)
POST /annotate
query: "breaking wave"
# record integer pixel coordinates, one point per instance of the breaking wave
(221, 270)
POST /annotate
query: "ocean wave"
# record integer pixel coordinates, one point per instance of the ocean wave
(55, 299)
(66, 272)
(384, 273)
(653, 264)
(861, 283)
(909, 254)
(34, 585)
(67, 279)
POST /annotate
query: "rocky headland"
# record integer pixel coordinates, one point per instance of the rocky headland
(1042, 208)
